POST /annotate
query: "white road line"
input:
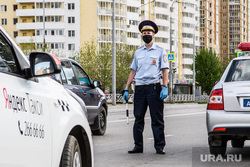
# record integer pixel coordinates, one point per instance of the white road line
(167, 116)
(165, 137)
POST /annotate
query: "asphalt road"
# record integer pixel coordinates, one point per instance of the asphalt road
(186, 140)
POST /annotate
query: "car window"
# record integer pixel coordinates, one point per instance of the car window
(239, 71)
(82, 76)
(56, 77)
(69, 73)
(64, 79)
(7, 57)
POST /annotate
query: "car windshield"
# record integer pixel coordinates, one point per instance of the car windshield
(239, 71)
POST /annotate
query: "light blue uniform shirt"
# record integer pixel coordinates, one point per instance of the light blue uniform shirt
(148, 64)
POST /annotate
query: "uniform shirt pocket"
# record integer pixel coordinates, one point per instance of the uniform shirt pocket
(140, 61)
(153, 65)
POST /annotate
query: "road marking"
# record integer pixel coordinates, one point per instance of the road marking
(165, 137)
(167, 116)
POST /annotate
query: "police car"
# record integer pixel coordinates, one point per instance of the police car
(41, 123)
(228, 110)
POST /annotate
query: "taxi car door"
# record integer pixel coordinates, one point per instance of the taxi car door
(79, 83)
(24, 113)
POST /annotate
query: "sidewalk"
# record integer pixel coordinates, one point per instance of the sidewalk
(122, 107)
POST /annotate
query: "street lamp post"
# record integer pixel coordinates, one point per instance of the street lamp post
(170, 65)
(44, 25)
(113, 57)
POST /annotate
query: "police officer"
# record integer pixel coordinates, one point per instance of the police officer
(149, 64)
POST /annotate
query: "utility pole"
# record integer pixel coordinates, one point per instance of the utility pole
(44, 25)
(113, 57)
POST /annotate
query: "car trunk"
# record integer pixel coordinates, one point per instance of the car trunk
(236, 96)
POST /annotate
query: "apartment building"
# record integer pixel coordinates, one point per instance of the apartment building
(209, 24)
(64, 25)
(236, 27)
(226, 25)
(8, 17)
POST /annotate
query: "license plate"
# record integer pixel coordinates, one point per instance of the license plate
(246, 102)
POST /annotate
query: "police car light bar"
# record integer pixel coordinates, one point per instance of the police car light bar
(244, 46)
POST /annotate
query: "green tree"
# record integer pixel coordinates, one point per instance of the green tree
(124, 58)
(105, 67)
(208, 69)
(87, 58)
(99, 64)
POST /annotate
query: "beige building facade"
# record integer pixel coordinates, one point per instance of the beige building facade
(8, 17)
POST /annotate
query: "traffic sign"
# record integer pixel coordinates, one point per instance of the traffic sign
(239, 54)
(171, 57)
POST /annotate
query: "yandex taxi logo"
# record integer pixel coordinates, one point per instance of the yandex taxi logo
(14, 102)
(22, 104)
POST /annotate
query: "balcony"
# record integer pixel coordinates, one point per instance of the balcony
(187, 61)
(134, 41)
(32, 26)
(39, 39)
(39, 12)
(187, 71)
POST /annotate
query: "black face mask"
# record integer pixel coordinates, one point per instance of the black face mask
(147, 38)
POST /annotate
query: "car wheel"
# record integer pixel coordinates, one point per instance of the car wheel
(237, 143)
(102, 120)
(71, 156)
(218, 150)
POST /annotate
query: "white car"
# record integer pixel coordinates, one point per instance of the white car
(228, 111)
(41, 123)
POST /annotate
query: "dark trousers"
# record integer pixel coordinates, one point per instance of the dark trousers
(149, 95)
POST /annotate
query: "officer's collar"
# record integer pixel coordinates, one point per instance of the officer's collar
(152, 47)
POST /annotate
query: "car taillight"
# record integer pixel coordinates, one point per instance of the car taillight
(219, 129)
(216, 100)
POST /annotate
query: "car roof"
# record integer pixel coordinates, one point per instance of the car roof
(242, 58)
(68, 59)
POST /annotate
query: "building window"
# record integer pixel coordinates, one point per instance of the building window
(71, 33)
(71, 6)
(224, 8)
(4, 22)
(71, 19)
(224, 44)
(224, 15)
(14, 7)
(224, 22)
(224, 37)
(211, 31)
(71, 46)
(224, 51)
(15, 20)
(4, 8)
(211, 40)
(15, 34)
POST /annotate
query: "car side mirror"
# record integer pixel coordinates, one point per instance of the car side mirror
(97, 83)
(44, 64)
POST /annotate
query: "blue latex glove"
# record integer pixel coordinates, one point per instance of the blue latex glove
(125, 94)
(164, 92)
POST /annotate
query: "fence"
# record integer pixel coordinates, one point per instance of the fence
(174, 98)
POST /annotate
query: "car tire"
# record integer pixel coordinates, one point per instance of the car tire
(218, 150)
(71, 156)
(237, 143)
(102, 121)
